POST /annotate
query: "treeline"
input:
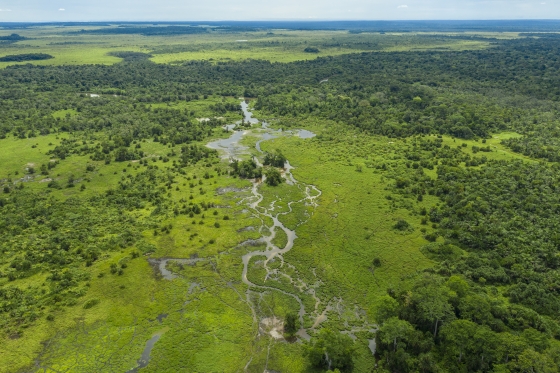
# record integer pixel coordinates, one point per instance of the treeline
(450, 325)
(26, 57)
(42, 234)
(147, 31)
(10, 39)
(462, 94)
(492, 301)
(470, 94)
(130, 56)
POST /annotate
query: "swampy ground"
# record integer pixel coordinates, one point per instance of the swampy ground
(207, 318)
(130, 243)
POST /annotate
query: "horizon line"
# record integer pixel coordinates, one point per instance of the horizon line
(296, 20)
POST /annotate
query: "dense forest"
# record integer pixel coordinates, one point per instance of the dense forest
(490, 303)
(147, 31)
(26, 57)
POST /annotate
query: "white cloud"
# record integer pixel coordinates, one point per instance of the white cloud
(5, 10)
(219, 10)
(61, 10)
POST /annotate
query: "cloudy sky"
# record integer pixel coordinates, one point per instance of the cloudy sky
(198, 10)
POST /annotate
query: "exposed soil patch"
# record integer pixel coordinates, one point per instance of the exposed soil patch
(272, 326)
(225, 190)
(247, 229)
(252, 242)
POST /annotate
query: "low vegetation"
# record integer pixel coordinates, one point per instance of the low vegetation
(423, 215)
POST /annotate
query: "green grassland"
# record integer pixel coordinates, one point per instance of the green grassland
(70, 48)
(336, 246)
(136, 295)
(357, 206)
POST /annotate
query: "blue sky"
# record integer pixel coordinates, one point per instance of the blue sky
(198, 10)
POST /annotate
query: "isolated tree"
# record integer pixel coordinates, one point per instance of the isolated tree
(273, 176)
(276, 159)
(290, 324)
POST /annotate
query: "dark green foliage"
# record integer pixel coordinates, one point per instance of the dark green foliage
(192, 154)
(402, 225)
(311, 50)
(246, 169)
(273, 176)
(26, 57)
(331, 350)
(290, 324)
(54, 184)
(275, 159)
(131, 56)
(12, 38)
(474, 329)
(498, 199)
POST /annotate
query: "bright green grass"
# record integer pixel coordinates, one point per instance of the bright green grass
(451, 46)
(65, 112)
(350, 228)
(209, 325)
(69, 48)
(270, 54)
(201, 108)
(120, 318)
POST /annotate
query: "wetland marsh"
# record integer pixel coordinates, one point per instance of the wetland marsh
(387, 203)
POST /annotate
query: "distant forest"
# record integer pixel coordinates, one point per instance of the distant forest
(368, 26)
(26, 57)
(494, 310)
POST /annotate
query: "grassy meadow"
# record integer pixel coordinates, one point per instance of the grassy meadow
(207, 306)
(69, 47)
(166, 228)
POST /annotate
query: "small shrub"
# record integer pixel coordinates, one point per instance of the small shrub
(431, 237)
(402, 225)
(311, 50)
(90, 303)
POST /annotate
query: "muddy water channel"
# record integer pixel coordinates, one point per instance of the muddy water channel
(265, 250)
(231, 149)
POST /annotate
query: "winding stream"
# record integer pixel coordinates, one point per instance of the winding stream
(231, 149)
(145, 358)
